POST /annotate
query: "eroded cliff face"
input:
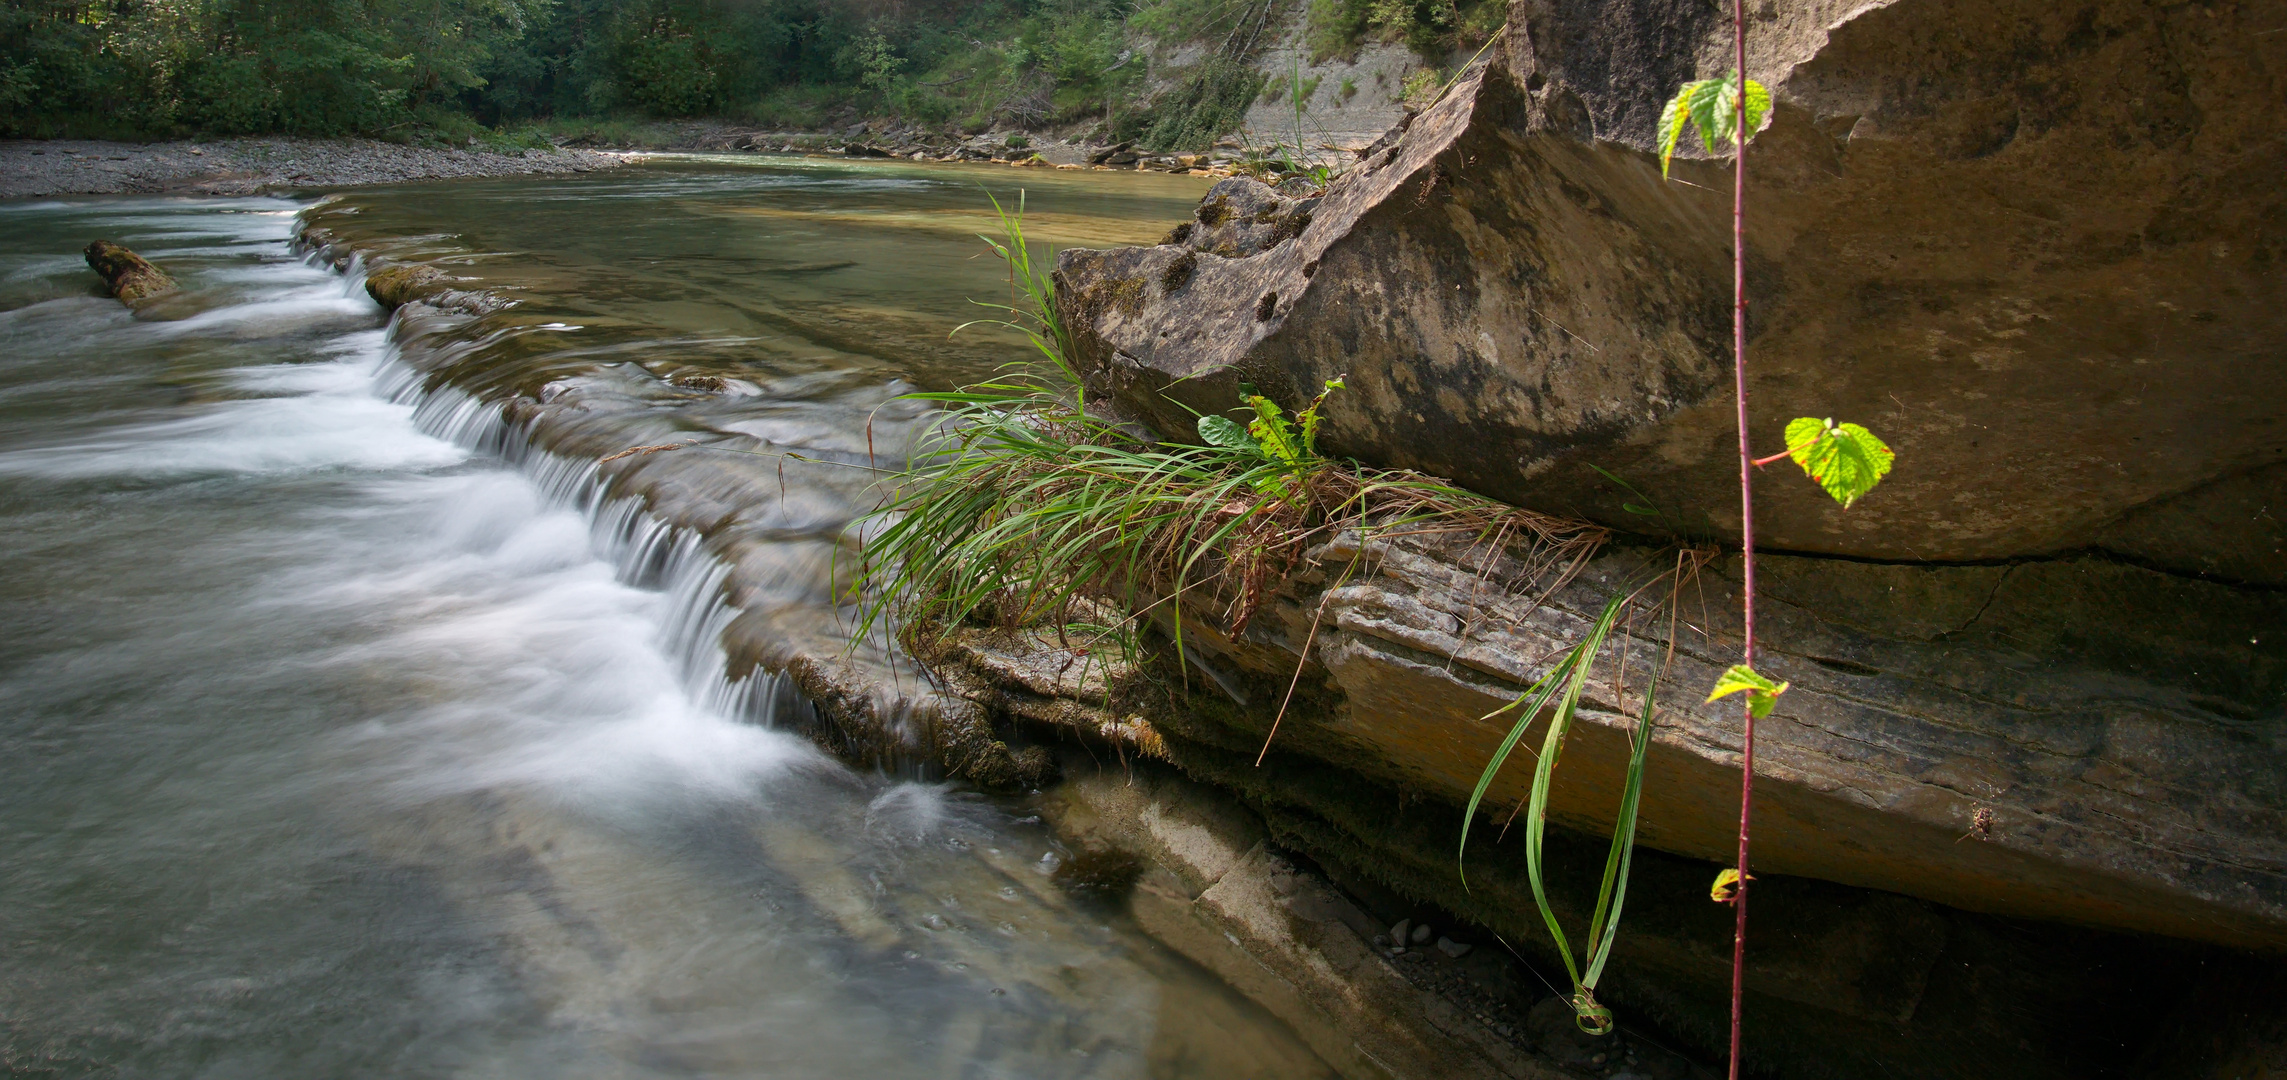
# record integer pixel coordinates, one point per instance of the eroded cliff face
(2033, 245)
(1514, 295)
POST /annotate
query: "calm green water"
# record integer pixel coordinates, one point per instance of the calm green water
(333, 744)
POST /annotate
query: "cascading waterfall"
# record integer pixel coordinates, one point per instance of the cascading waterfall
(648, 552)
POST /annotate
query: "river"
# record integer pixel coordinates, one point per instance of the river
(340, 735)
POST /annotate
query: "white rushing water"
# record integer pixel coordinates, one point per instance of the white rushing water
(345, 737)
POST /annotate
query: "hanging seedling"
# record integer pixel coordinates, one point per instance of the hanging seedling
(1844, 459)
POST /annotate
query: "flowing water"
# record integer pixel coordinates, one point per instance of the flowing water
(341, 737)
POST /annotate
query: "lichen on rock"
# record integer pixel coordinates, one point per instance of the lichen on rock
(128, 276)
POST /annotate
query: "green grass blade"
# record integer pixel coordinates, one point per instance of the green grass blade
(1544, 773)
(1539, 692)
(1604, 929)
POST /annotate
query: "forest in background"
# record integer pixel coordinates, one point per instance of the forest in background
(504, 70)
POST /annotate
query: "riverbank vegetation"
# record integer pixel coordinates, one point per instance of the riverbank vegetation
(1023, 505)
(457, 69)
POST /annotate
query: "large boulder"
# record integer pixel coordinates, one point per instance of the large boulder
(2034, 245)
(2040, 672)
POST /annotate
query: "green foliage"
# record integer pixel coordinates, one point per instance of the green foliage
(1762, 693)
(1334, 29)
(1270, 437)
(1562, 687)
(237, 66)
(1213, 99)
(1845, 459)
(667, 73)
(403, 66)
(1189, 20)
(1421, 87)
(1712, 107)
(877, 62)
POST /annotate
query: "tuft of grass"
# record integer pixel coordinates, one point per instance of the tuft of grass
(1557, 696)
(1020, 506)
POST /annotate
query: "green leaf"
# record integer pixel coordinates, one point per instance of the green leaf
(1225, 432)
(1845, 459)
(1672, 121)
(1712, 107)
(1758, 106)
(1726, 110)
(1705, 116)
(1310, 415)
(1272, 432)
(1761, 692)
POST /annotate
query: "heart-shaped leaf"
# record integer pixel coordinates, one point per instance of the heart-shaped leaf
(1845, 459)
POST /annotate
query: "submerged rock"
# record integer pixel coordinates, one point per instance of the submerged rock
(129, 276)
(394, 286)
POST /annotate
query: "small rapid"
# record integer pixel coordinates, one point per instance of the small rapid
(343, 733)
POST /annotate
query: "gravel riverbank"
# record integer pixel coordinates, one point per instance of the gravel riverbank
(245, 166)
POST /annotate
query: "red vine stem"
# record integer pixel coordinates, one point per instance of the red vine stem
(1746, 513)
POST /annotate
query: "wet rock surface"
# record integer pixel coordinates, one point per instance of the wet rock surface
(128, 276)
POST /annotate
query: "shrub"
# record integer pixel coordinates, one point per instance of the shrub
(230, 95)
(1335, 28)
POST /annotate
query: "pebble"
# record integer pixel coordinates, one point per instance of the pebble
(245, 166)
(1421, 934)
(1453, 948)
(1398, 932)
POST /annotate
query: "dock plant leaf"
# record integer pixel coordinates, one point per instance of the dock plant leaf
(1224, 432)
